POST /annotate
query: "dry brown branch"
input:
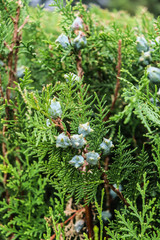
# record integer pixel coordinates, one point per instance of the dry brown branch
(89, 220)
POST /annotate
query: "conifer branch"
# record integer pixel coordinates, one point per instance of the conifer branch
(12, 69)
(13, 20)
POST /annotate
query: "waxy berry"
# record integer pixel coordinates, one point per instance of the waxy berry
(80, 41)
(77, 161)
(78, 141)
(84, 129)
(63, 40)
(77, 24)
(55, 109)
(92, 158)
(145, 58)
(154, 74)
(72, 77)
(62, 141)
(106, 215)
(106, 146)
(142, 45)
(48, 123)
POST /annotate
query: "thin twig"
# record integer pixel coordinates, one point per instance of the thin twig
(106, 185)
(1, 90)
(118, 67)
(119, 194)
(25, 21)
(8, 46)
(79, 65)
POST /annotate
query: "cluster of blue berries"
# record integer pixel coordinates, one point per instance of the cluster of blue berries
(77, 141)
(79, 42)
(145, 59)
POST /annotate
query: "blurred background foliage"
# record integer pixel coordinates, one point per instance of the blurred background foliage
(130, 6)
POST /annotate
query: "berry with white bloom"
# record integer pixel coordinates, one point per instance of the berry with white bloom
(55, 109)
(78, 141)
(84, 129)
(154, 74)
(142, 45)
(158, 93)
(77, 24)
(77, 161)
(63, 40)
(106, 146)
(48, 123)
(62, 141)
(92, 158)
(106, 215)
(145, 58)
(72, 77)
(79, 225)
(80, 41)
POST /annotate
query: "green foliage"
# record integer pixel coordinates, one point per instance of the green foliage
(37, 180)
(135, 223)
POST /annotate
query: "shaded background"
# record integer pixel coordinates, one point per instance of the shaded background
(128, 5)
